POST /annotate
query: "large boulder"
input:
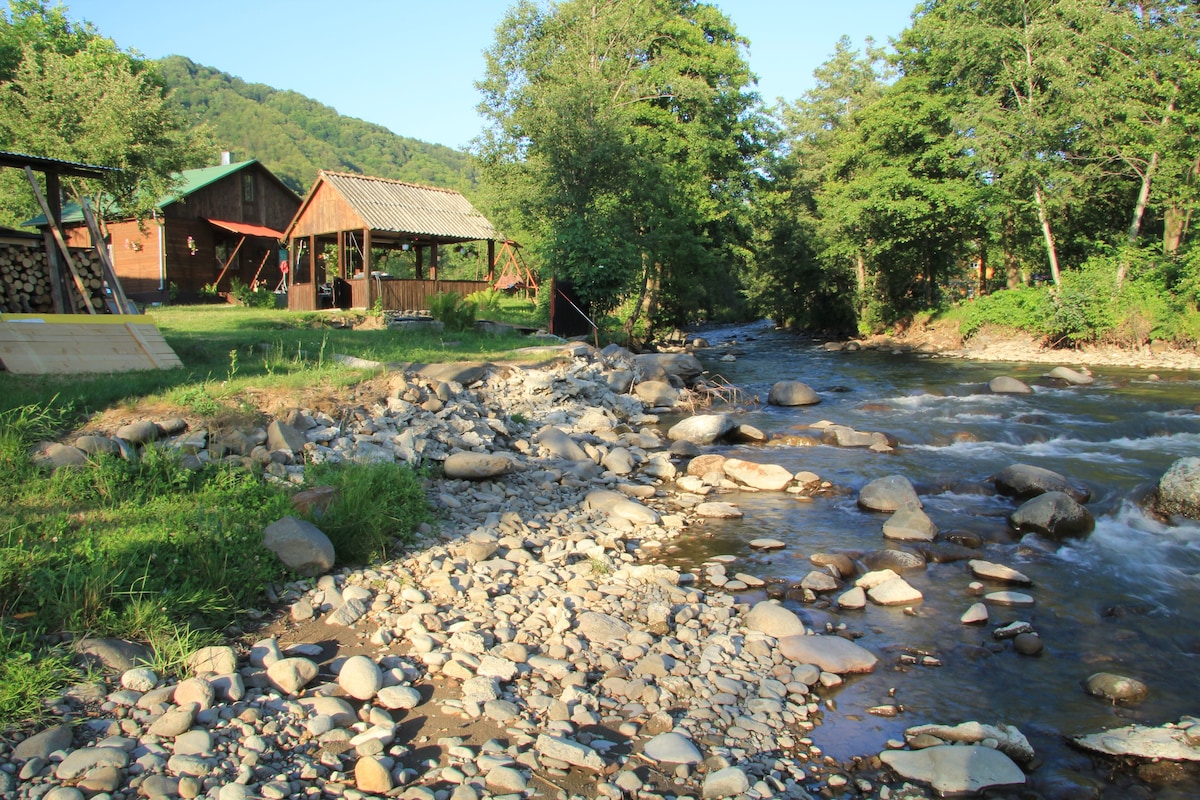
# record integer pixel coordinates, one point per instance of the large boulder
(889, 493)
(1004, 384)
(561, 445)
(792, 393)
(1024, 481)
(657, 393)
(767, 477)
(701, 429)
(1179, 490)
(684, 366)
(300, 545)
(471, 466)
(1053, 514)
(955, 769)
(829, 653)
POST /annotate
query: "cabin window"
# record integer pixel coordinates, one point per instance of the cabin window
(247, 188)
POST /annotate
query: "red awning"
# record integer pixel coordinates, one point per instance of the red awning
(246, 229)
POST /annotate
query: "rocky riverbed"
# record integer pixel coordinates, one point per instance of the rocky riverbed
(532, 643)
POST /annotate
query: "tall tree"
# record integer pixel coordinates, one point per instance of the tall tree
(74, 95)
(621, 133)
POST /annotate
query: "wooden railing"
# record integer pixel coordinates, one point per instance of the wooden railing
(397, 295)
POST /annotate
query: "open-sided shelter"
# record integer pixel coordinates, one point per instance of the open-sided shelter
(344, 218)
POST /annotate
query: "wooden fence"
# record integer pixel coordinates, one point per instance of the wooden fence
(396, 294)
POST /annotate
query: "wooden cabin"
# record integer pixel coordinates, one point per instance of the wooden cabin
(358, 240)
(222, 223)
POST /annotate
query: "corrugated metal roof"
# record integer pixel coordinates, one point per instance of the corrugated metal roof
(387, 205)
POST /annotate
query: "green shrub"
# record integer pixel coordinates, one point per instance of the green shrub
(1025, 309)
(252, 298)
(453, 311)
(377, 507)
(487, 301)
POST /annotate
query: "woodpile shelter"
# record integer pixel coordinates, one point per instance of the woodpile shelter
(221, 224)
(351, 229)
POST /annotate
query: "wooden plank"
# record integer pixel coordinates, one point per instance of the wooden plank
(124, 306)
(33, 344)
(52, 224)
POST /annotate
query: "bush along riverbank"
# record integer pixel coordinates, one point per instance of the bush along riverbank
(527, 642)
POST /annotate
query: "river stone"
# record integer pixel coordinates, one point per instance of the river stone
(78, 762)
(1024, 481)
(701, 429)
(767, 477)
(684, 366)
(977, 614)
(657, 393)
(502, 780)
(1169, 742)
(291, 675)
(569, 751)
(398, 697)
(1004, 384)
(830, 653)
(336, 708)
(955, 769)
(620, 506)
(997, 572)
(767, 544)
(774, 620)
(726, 782)
(718, 510)
(1028, 644)
(281, 436)
(175, 721)
(855, 598)
(372, 776)
(139, 432)
(1016, 599)
(195, 690)
(890, 493)
(561, 445)
(706, 464)
(1073, 377)
(792, 393)
(1178, 491)
(97, 445)
(910, 525)
(894, 560)
(841, 563)
(53, 455)
(217, 659)
(1053, 514)
(42, 744)
(115, 654)
(1008, 739)
(300, 545)
(602, 628)
(619, 381)
(139, 679)
(619, 461)
(896, 592)
(470, 466)
(360, 677)
(672, 748)
(1117, 688)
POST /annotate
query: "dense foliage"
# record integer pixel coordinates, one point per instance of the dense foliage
(295, 136)
(68, 93)
(1005, 143)
(621, 140)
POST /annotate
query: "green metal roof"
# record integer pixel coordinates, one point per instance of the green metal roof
(190, 181)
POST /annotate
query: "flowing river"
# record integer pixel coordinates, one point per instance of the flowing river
(1125, 599)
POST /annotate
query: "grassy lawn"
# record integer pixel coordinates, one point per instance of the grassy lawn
(147, 550)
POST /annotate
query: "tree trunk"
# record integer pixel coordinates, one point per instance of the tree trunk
(860, 272)
(1178, 218)
(1047, 234)
(982, 268)
(1012, 267)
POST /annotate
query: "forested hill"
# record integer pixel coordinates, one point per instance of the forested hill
(295, 136)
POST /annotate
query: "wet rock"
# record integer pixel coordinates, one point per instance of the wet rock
(894, 560)
(964, 769)
(792, 393)
(300, 545)
(767, 477)
(1178, 491)
(890, 493)
(1028, 644)
(1024, 481)
(1116, 688)
(774, 620)
(830, 653)
(1004, 384)
(701, 429)
(977, 614)
(997, 572)
(909, 525)
(1073, 377)
(1053, 514)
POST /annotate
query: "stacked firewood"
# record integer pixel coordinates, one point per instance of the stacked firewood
(25, 280)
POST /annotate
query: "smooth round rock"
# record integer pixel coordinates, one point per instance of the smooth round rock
(360, 677)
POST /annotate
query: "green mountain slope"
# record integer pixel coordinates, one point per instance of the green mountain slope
(295, 136)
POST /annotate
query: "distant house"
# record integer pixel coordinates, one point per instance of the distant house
(223, 223)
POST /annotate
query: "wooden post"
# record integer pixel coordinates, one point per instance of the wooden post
(52, 224)
(433, 261)
(261, 264)
(420, 262)
(491, 273)
(124, 306)
(217, 282)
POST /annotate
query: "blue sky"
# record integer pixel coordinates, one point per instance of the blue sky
(412, 66)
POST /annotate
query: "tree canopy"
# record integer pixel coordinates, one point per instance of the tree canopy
(622, 136)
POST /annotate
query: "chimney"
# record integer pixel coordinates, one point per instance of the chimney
(226, 158)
